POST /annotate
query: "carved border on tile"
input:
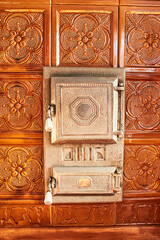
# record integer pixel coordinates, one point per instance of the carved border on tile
(24, 215)
(79, 215)
(138, 212)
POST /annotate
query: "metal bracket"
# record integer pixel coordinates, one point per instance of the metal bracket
(119, 88)
(118, 133)
(52, 108)
(117, 182)
(52, 181)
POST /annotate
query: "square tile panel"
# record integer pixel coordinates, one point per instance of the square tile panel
(84, 36)
(24, 35)
(139, 37)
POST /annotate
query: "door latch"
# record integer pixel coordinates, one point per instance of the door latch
(48, 195)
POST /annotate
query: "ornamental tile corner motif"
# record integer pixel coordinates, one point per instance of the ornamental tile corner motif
(21, 36)
(85, 39)
(142, 40)
(21, 169)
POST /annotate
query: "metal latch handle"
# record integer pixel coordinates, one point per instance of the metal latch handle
(120, 90)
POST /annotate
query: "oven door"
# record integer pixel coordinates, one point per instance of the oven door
(86, 109)
(83, 154)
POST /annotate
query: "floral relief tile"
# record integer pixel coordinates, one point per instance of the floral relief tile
(142, 106)
(21, 104)
(21, 37)
(21, 170)
(142, 39)
(84, 37)
(141, 167)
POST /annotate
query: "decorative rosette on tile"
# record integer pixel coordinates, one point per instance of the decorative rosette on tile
(21, 169)
(21, 38)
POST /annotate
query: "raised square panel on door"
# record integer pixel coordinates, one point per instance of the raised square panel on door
(24, 35)
(20, 105)
(139, 37)
(84, 37)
